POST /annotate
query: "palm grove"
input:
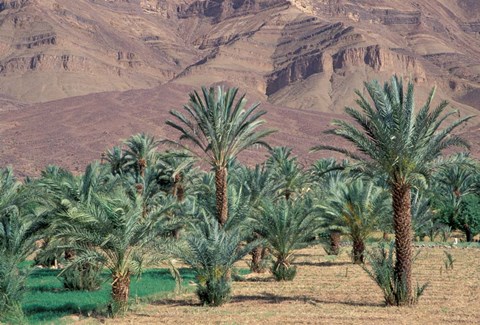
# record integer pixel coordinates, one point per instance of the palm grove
(140, 207)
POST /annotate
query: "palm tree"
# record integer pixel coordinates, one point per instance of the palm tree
(140, 153)
(211, 251)
(453, 184)
(175, 168)
(392, 140)
(112, 230)
(286, 226)
(220, 128)
(257, 184)
(116, 159)
(65, 192)
(356, 206)
(21, 223)
(286, 170)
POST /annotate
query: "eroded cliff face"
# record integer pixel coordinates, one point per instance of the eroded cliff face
(272, 48)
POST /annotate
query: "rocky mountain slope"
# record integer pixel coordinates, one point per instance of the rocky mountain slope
(293, 54)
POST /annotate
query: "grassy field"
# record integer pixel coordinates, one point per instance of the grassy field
(47, 302)
(327, 290)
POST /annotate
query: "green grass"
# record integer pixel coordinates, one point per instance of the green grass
(47, 302)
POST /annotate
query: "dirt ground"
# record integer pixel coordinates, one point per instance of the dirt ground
(333, 291)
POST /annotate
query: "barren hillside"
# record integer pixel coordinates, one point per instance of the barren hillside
(300, 57)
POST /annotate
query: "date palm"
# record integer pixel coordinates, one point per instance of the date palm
(454, 183)
(21, 224)
(220, 128)
(286, 170)
(391, 139)
(286, 226)
(356, 206)
(112, 230)
(140, 153)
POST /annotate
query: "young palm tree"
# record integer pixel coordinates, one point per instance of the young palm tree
(211, 251)
(356, 206)
(220, 128)
(287, 171)
(286, 225)
(453, 184)
(175, 168)
(393, 140)
(65, 192)
(112, 230)
(257, 185)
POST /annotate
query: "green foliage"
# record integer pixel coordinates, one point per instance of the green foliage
(114, 230)
(456, 197)
(393, 139)
(382, 263)
(448, 261)
(286, 172)
(282, 272)
(47, 302)
(82, 277)
(286, 225)
(20, 225)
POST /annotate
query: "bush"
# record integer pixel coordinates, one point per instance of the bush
(12, 288)
(383, 273)
(283, 272)
(214, 291)
(86, 277)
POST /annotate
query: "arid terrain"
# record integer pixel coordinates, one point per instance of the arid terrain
(328, 291)
(77, 76)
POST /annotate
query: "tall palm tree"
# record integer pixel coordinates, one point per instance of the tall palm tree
(220, 129)
(390, 138)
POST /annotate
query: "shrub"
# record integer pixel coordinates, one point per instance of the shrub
(383, 273)
(85, 277)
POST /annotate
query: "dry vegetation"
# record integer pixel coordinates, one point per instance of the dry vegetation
(332, 291)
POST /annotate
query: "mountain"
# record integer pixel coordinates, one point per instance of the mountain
(61, 60)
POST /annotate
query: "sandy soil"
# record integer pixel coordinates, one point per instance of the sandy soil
(328, 291)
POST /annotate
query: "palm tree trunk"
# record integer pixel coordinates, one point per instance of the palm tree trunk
(258, 255)
(468, 233)
(334, 242)
(179, 192)
(402, 223)
(177, 189)
(256, 259)
(221, 194)
(358, 250)
(121, 291)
